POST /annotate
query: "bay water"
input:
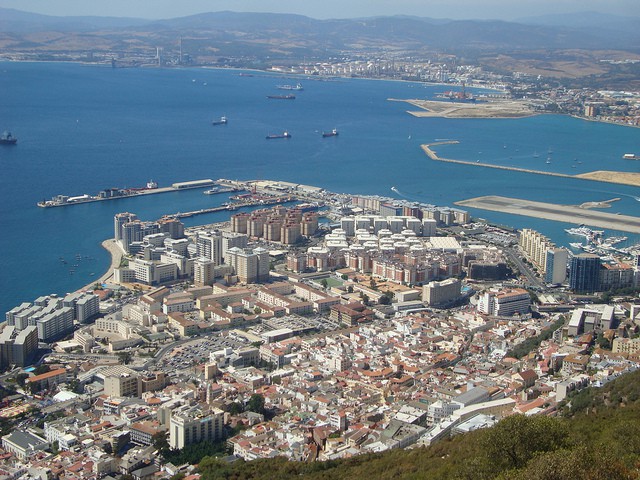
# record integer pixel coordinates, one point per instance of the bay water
(83, 128)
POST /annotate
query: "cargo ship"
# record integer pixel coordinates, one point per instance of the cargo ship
(8, 139)
(222, 121)
(282, 97)
(332, 133)
(282, 135)
(297, 87)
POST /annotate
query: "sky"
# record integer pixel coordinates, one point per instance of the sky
(455, 9)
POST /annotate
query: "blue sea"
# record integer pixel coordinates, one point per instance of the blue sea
(85, 128)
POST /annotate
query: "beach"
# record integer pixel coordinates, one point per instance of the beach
(116, 253)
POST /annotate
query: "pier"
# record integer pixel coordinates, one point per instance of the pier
(551, 211)
(606, 176)
(65, 201)
(233, 206)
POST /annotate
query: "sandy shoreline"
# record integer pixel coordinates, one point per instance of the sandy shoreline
(116, 253)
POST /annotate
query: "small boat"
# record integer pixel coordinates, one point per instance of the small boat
(332, 133)
(8, 139)
(211, 191)
(282, 97)
(282, 135)
(548, 160)
(222, 121)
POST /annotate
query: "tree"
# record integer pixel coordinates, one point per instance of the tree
(40, 369)
(256, 404)
(517, 439)
(373, 284)
(324, 283)
(125, 357)
(20, 379)
(160, 441)
(236, 408)
(344, 276)
(350, 289)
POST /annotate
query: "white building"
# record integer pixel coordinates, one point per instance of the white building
(192, 425)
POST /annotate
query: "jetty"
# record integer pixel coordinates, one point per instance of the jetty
(117, 193)
(234, 206)
(606, 176)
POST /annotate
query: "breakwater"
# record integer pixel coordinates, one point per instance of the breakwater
(607, 176)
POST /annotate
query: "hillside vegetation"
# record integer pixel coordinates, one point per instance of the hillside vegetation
(597, 438)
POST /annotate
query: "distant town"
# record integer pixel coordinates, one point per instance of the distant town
(317, 326)
(535, 93)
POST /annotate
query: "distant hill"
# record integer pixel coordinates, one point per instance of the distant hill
(18, 21)
(295, 34)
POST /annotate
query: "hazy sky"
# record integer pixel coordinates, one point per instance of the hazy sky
(457, 9)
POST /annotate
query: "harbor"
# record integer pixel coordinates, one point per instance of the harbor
(559, 213)
(248, 202)
(116, 193)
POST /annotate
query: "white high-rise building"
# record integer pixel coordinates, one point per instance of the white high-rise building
(209, 246)
(192, 425)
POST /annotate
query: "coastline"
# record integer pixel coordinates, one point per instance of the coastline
(116, 254)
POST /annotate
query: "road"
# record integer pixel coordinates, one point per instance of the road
(524, 269)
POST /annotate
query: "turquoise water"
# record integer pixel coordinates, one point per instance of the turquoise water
(85, 128)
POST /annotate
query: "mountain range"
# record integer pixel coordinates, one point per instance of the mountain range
(291, 35)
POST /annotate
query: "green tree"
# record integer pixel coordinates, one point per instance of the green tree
(20, 379)
(235, 408)
(515, 440)
(256, 404)
(160, 442)
(40, 369)
(324, 283)
(125, 357)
